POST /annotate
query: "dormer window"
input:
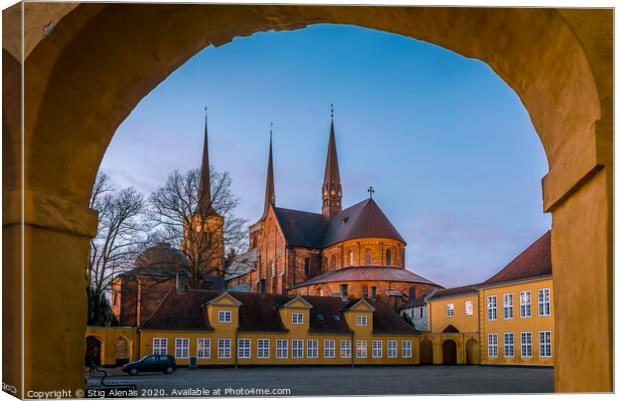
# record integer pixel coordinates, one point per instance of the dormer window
(345, 220)
(298, 318)
(224, 316)
(362, 320)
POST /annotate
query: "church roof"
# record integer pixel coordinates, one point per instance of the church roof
(362, 220)
(259, 312)
(162, 256)
(535, 261)
(311, 230)
(367, 273)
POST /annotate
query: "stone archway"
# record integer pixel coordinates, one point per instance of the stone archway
(426, 352)
(559, 62)
(448, 354)
(93, 351)
(123, 350)
(472, 351)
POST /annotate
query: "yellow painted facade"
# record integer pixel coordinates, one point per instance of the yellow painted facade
(110, 338)
(535, 322)
(464, 316)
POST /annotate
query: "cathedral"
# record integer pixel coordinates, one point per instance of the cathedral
(355, 251)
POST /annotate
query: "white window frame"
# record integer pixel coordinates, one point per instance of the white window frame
(329, 348)
(281, 348)
(181, 348)
(203, 348)
(526, 345)
(525, 308)
(297, 318)
(160, 346)
(469, 308)
(262, 348)
(544, 344)
(508, 306)
(450, 310)
(345, 348)
(407, 348)
(362, 320)
(297, 348)
(377, 348)
(313, 348)
(492, 307)
(244, 348)
(509, 345)
(224, 348)
(224, 316)
(392, 349)
(361, 349)
(492, 345)
(544, 302)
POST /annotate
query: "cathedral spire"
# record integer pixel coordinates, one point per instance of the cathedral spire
(332, 189)
(204, 199)
(270, 195)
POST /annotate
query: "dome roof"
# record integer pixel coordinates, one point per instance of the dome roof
(162, 255)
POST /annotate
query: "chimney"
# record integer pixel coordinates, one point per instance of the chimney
(344, 292)
(412, 293)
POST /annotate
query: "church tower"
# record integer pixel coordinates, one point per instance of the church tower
(332, 189)
(205, 242)
(270, 197)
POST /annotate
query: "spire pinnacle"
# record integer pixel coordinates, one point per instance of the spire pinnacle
(270, 196)
(204, 196)
(332, 188)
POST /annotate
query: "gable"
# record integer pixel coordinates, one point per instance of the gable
(298, 303)
(225, 299)
(362, 306)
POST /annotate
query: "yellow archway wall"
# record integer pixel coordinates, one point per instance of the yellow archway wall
(85, 77)
(108, 337)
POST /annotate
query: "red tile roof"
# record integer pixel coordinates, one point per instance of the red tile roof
(535, 261)
(455, 291)
(260, 313)
(367, 273)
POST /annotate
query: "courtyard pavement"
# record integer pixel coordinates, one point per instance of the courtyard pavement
(305, 381)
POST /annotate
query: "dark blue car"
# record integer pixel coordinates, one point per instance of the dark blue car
(151, 363)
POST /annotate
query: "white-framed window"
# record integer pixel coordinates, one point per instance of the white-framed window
(262, 348)
(345, 348)
(223, 348)
(450, 310)
(492, 307)
(544, 342)
(360, 349)
(392, 349)
(281, 349)
(407, 349)
(160, 346)
(224, 316)
(244, 348)
(203, 348)
(526, 344)
(298, 318)
(525, 304)
(329, 348)
(313, 348)
(377, 348)
(492, 345)
(298, 348)
(181, 348)
(508, 310)
(544, 302)
(469, 308)
(362, 320)
(509, 345)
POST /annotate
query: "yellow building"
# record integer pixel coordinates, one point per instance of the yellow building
(209, 328)
(506, 320)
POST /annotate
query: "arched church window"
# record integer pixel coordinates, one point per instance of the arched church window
(368, 256)
(307, 267)
(350, 258)
(334, 261)
(388, 257)
(325, 265)
(364, 291)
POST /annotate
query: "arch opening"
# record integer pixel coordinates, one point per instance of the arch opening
(449, 352)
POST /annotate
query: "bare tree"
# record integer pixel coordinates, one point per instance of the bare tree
(205, 233)
(121, 233)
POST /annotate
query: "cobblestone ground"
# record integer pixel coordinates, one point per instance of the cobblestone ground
(298, 381)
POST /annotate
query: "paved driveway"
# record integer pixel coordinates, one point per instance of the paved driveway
(298, 381)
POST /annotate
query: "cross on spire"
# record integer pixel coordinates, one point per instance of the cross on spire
(371, 191)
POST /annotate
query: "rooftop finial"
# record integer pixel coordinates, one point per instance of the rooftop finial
(332, 110)
(371, 191)
(270, 130)
(206, 110)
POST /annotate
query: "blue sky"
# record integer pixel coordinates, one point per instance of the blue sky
(447, 145)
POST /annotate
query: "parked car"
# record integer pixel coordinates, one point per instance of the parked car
(151, 363)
